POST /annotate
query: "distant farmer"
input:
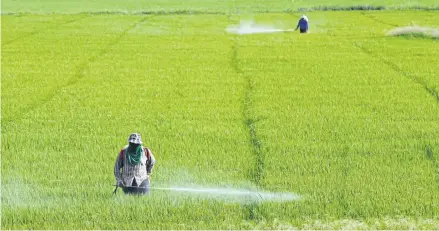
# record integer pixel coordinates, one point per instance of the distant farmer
(303, 24)
(133, 166)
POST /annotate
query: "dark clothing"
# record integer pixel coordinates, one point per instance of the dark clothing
(303, 24)
(136, 189)
(303, 31)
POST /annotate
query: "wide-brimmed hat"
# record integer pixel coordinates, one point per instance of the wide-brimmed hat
(135, 138)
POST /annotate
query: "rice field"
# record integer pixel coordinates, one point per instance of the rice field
(345, 116)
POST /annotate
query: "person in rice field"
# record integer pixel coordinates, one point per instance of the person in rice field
(303, 24)
(133, 167)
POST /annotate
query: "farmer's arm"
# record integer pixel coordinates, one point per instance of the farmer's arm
(150, 163)
(298, 24)
(117, 166)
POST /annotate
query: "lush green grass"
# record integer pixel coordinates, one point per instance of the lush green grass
(342, 116)
(336, 119)
(238, 6)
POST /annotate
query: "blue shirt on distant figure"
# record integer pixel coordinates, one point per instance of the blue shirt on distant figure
(303, 24)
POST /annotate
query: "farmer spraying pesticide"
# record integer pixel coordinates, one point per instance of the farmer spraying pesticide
(303, 24)
(133, 167)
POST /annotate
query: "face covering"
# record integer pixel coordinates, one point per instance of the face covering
(134, 152)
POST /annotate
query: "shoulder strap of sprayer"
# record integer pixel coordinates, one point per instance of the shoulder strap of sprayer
(147, 153)
(121, 155)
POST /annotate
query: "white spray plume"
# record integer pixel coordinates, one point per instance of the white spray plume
(413, 30)
(250, 27)
(233, 194)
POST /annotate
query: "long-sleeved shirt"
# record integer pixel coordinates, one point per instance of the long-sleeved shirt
(130, 172)
(303, 24)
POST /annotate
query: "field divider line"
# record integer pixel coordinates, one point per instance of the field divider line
(431, 91)
(373, 18)
(78, 76)
(249, 119)
(255, 141)
(58, 25)
(83, 66)
(256, 175)
(416, 80)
